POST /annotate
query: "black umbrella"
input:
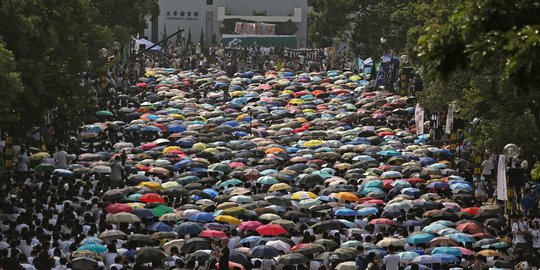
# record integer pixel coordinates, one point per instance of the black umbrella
(84, 263)
(113, 194)
(149, 255)
(292, 259)
(199, 256)
(264, 251)
(194, 244)
(238, 257)
(329, 244)
(192, 228)
(328, 225)
(310, 249)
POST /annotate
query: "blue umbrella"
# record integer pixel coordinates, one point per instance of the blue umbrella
(461, 186)
(445, 258)
(264, 251)
(250, 239)
(347, 223)
(202, 217)
(426, 161)
(407, 255)
(365, 191)
(159, 227)
(91, 241)
(62, 172)
(212, 193)
(134, 197)
(447, 250)
(182, 164)
(367, 211)
(192, 228)
(94, 248)
(346, 212)
(392, 213)
(438, 185)
(143, 213)
(177, 128)
(411, 192)
(420, 238)
(151, 129)
(374, 184)
(389, 153)
(462, 237)
(433, 228)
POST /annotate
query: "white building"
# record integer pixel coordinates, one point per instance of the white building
(219, 18)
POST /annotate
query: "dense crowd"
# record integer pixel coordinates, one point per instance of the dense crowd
(202, 167)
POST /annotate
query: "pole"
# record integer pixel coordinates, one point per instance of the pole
(160, 42)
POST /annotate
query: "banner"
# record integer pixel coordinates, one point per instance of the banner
(368, 66)
(309, 54)
(391, 74)
(419, 119)
(230, 54)
(449, 119)
(244, 28)
(502, 192)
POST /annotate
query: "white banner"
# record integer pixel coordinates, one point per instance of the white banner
(419, 119)
(502, 193)
(449, 119)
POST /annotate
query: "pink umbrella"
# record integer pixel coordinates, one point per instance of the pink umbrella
(250, 225)
(466, 251)
(118, 208)
(148, 146)
(212, 234)
(264, 87)
(383, 221)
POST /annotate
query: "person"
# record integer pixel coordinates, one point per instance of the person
(519, 231)
(360, 260)
(61, 158)
(21, 167)
(535, 234)
(527, 202)
(487, 168)
(391, 260)
(117, 171)
(222, 253)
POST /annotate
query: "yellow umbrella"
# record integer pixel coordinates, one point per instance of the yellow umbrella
(170, 148)
(237, 94)
(136, 205)
(170, 184)
(303, 195)
(313, 143)
(488, 253)
(211, 150)
(199, 146)
(242, 117)
(348, 196)
(279, 186)
(177, 116)
(308, 111)
(296, 101)
(151, 185)
(228, 219)
(301, 119)
(287, 92)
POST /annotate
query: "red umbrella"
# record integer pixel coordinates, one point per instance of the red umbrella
(471, 210)
(237, 165)
(465, 251)
(383, 221)
(375, 201)
(141, 85)
(482, 235)
(148, 146)
(212, 234)
(250, 225)
(152, 198)
(271, 229)
(469, 227)
(118, 207)
(387, 183)
(414, 181)
(299, 246)
(264, 87)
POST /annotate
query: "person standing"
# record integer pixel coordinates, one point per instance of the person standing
(391, 261)
(117, 171)
(61, 158)
(222, 253)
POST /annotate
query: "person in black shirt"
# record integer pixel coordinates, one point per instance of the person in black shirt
(222, 253)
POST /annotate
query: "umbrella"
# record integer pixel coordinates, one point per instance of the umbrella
(280, 245)
(386, 242)
(149, 254)
(159, 227)
(264, 251)
(408, 255)
(94, 248)
(161, 210)
(347, 266)
(84, 263)
(192, 228)
(419, 238)
(271, 229)
(447, 250)
(308, 249)
(194, 244)
(112, 235)
(212, 234)
(425, 259)
(249, 225)
(123, 218)
(292, 259)
(173, 243)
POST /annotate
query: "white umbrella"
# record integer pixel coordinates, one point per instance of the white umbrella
(279, 245)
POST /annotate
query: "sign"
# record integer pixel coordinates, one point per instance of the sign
(309, 54)
(250, 40)
(502, 193)
(391, 74)
(243, 28)
(419, 119)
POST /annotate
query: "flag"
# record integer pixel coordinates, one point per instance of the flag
(502, 193)
(419, 119)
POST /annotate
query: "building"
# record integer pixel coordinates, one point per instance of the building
(285, 20)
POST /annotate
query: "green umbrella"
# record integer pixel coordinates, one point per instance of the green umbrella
(232, 182)
(161, 210)
(234, 211)
(267, 180)
(104, 113)
(45, 167)
(220, 167)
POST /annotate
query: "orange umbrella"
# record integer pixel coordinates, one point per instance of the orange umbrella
(348, 196)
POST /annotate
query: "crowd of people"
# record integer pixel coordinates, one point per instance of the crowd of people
(279, 167)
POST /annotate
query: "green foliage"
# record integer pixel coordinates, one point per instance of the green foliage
(47, 45)
(493, 47)
(535, 173)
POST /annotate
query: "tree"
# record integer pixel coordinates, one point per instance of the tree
(51, 43)
(201, 38)
(493, 47)
(11, 82)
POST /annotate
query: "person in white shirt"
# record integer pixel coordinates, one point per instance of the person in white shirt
(487, 168)
(61, 158)
(391, 261)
